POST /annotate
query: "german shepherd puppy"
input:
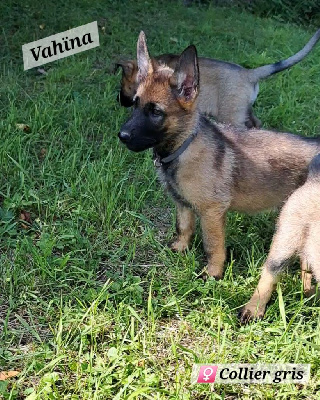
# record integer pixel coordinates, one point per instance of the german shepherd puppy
(208, 169)
(298, 233)
(228, 90)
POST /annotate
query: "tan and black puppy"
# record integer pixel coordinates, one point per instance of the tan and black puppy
(208, 169)
(298, 233)
(228, 90)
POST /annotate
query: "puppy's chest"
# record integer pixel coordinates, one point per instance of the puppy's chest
(168, 178)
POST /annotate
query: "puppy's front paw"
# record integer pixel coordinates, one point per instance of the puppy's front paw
(179, 246)
(210, 272)
(311, 291)
(250, 313)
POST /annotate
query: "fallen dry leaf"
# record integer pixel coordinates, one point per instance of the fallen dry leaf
(4, 375)
(43, 153)
(42, 26)
(23, 127)
(25, 216)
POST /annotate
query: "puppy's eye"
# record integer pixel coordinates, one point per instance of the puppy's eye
(156, 112)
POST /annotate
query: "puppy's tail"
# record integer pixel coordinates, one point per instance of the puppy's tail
(270, 69)
(314, 168)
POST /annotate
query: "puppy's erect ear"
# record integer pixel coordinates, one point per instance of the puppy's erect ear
(144, 62)
(185, 79)
(127, 67)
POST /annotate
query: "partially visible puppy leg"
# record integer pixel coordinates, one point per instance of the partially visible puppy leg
(284, 245)
(311, 255)
(252, 121)
(306, 276)
(185, 226)
(256, 307)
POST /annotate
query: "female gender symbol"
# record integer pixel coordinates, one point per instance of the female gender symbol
(207, 374)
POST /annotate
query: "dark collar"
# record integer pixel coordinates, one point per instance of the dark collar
(158, 161)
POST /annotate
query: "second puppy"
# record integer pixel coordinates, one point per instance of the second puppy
(228, 90)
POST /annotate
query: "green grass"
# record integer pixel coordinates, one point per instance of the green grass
(93, 305)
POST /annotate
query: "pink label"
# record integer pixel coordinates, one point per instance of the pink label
(207, 374)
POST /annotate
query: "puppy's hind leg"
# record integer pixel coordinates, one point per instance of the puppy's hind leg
(252, 121)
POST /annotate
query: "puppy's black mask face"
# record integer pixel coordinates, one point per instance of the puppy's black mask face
(145, 128)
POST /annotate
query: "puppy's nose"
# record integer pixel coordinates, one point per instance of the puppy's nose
(124, 136)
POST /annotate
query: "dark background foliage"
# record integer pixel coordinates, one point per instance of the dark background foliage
(306, 12)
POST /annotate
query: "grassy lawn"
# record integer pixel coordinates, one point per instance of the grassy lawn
(93, 305)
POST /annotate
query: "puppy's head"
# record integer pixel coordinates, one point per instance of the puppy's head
(165, 100)
(128, 81)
